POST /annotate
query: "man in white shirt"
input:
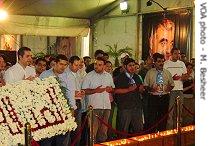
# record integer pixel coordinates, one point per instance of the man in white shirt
(75, 91)
(21, 70)
(98, 84)
(178, 71)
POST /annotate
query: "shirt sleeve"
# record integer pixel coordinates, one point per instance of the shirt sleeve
(8, 76)
(86, 82)
(146, 79)
(111, 81)
(71, 98)
(43, 75)
(116, 82)
(121, 81)
(184, 68)
(72, 86)
(165, 65)
(171, 81)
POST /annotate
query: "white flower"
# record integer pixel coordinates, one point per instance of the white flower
(28, 101)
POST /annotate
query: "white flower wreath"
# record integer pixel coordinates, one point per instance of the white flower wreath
(39, 102)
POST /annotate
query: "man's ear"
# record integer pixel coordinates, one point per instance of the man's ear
(19, 57)
(124, 66)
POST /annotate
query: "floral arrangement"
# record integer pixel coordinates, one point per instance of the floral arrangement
(39, 102)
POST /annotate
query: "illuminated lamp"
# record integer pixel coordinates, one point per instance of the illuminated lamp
(3, 14)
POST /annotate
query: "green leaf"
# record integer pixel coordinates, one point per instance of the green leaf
(114, 52)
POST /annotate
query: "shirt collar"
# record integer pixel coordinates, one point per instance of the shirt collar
(129, 75)
(104, 72)
(20, 66)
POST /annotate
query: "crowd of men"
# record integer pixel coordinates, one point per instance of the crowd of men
(143, 93)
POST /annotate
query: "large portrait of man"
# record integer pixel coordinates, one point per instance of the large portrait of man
(163, 31)
(161, 39)
(66, 45)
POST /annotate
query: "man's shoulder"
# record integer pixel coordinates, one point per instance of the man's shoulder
(136, 77)
(46, 74)
(12, 68)
(47, 71)
(168, 62)
(90, 74)
(30, 69)
(152, 70)
(181, 62)
(122, 74)
(106, 73)
(166, 71)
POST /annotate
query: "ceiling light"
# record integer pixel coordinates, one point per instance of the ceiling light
(123, 5)
(3, 14)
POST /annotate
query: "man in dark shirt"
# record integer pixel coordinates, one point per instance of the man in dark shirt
(120, 69)
(128, 97)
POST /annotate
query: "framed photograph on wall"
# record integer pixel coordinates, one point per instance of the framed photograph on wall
(65, 46)
(162, 31)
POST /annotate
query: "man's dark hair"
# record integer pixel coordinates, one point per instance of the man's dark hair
(60, 57)
(101, 59)
(2, 56)
(73, 58)
(52, 59)
(108, 62)
(189, 64)
(128, 60)
(48, 55)
(157, 55)
(106, 54)
(86, 57)
(98, 52)
(174, 49)
(40, 59)
(22, 50)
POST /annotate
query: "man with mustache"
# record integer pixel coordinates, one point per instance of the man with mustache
(159, 83)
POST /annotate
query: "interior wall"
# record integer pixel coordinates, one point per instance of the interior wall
(41, 44)
(117, 28)
(109, 32)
